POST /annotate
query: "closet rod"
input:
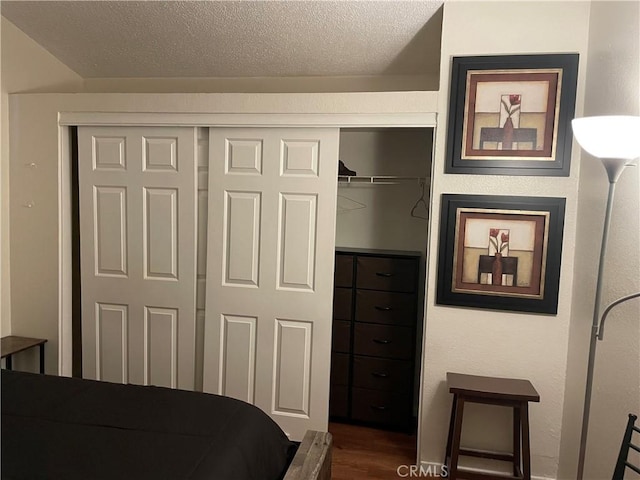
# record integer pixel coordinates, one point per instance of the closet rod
(376, 179)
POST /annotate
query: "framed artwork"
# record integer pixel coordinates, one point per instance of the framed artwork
(511, 115)
(500, 252)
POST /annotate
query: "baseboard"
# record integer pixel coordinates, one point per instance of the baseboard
(436, 467)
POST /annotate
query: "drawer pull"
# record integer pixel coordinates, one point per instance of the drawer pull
(380, 374)
(382, 342)
(383, 309)
(380, 408)
(384, 274)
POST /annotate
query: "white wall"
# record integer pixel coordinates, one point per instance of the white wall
(612, 87)
(385, 221)
(484, 342)
(26, 67)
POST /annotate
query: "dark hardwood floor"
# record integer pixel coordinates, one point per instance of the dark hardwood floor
(362, 453)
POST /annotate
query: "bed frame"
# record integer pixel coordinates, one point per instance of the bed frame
(313, 458)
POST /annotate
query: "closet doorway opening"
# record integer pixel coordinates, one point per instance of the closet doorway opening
(380, 149)
(381, 249)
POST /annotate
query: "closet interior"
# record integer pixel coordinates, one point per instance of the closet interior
(381, 239)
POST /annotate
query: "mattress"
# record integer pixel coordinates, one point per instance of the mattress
(69, 428)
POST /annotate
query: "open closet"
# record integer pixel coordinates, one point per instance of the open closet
(381, 239)
(385, 205)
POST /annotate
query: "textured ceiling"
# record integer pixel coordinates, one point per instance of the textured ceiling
(235, 38)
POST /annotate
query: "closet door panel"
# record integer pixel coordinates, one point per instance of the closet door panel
(297, 238)
(137, 188)
(270, 253)
(160, 234)
(161, 345)
(292, 371)
(238, 357)
(110, 224)
(111, 342)
(241, 238)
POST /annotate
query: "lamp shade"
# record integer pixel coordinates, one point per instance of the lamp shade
(609, 136)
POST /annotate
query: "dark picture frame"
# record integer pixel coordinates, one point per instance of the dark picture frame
(511, 115)
(527, 233)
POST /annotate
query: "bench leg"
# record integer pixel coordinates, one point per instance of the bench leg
(452, 418)
(517, 438)
(455, 442)
(42, 358)
(8, 362)
(526, 452)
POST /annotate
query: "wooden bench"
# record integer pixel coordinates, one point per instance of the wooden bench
(505, 392)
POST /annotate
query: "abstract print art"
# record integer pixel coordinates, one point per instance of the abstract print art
(500, 252)
(510, 115)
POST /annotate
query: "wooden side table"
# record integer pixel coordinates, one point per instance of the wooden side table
(14, 344)
(505, 392)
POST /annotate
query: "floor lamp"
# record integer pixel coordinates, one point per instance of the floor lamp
(615, 140)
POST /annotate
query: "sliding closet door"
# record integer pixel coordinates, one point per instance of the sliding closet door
(270, 257)
(137, 189)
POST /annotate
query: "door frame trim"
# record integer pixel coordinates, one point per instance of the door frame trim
(339, 120)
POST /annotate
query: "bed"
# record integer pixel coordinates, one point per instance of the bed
(58, 427)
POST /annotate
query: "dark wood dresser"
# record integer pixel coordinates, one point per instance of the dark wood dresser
(374, 337)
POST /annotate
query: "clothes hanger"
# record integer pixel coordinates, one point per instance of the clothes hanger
(421, 209)
(346, 204)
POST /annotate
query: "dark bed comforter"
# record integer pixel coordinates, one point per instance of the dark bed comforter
(67, 428)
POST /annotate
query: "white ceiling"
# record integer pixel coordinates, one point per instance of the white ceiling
(235, 38)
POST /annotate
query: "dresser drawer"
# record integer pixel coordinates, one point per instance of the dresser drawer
(339, 401)
(343, 276)
(387, 341)
(383, 374)
(385, 307)
(376, 406)
(342, 303)
(341, 336)
(387, 273)
(339, 369)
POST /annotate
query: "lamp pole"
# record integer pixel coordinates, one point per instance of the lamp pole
(615, 140)
(614, 168)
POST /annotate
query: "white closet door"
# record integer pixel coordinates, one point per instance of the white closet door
(137, 189)
(270, 261)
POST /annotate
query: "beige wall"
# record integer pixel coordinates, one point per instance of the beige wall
(485, 342)
(612, 87)
(26, 67)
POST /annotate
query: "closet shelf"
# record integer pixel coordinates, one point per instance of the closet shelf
(376, 179)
